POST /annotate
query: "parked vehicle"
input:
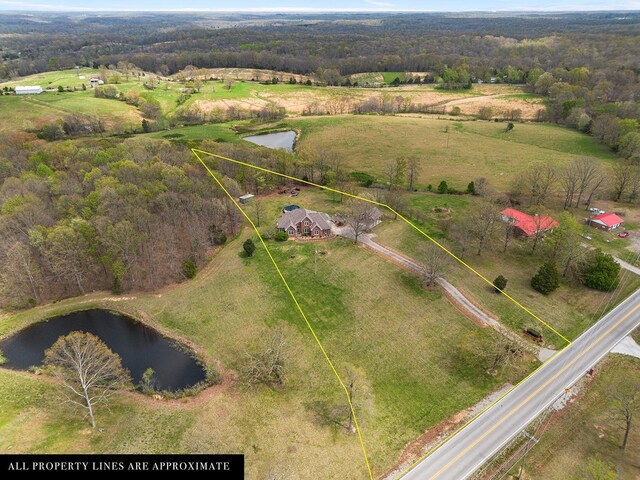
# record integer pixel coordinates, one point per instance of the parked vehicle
(597, 211)
(623, 234)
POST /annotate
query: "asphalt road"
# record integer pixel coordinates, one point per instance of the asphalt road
(465, 452)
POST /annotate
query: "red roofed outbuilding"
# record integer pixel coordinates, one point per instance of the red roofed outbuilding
(526, 224)
(606, 221)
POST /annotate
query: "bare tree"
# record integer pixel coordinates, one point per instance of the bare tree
(588, 172)
(88, 369)
(482, 187)
(20, 272)
(268, 366)
(625, 403)
(391, 173)
(623, 174)
(485, 218)
(569, 182)
(413, 170)
(541, 225)
(397, 200)
(258, 210)
(539, 181)
(508, 235)
(501, 352)
(359, 217)
(597, 183)
(434, 263)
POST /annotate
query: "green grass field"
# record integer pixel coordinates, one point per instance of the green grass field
(406, 343)
(454, 151)
(585, 429)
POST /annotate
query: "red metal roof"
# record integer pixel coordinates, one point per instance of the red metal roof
(609, 219)
(529, 224)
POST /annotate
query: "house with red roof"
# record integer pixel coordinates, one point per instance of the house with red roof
(528, 225)
(606, 221)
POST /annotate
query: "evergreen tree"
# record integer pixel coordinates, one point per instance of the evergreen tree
(500, 283)
(547, 279)
(600, 272)
(249, 247)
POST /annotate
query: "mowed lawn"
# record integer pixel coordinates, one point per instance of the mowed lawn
(457, 152)
(585, 429)
(412, 352)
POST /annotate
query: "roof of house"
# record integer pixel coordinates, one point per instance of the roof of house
(529, 224)
(292, 218)
(608, 219)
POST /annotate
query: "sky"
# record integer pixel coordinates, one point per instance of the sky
(320, 5)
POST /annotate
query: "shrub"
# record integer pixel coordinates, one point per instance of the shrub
(547, 279)
(500, 283)
(249, 247)
(455, 111)
(600, 272)
(443, 187)
(281, 236)
(189, 268)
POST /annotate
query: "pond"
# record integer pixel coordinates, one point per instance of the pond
(283, 140)
(139, 347)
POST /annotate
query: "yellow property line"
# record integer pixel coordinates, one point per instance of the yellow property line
(489, 282)
(295, 300)
(526, 400)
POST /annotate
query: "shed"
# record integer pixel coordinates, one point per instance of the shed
(29, 90)
(606, 221)
(244, 199)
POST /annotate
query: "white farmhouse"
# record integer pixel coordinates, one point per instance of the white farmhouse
(28, 90)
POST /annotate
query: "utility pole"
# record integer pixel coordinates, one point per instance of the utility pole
(315, 261)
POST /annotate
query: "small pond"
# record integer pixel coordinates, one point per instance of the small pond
(283, 140)
(139, 346)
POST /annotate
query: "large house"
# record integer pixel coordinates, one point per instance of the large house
(606, 221)
(304, 223)
(528, 225)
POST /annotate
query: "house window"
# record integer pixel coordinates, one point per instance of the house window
(306, 222)
(315, 232)
(291, 231)
(307, 230)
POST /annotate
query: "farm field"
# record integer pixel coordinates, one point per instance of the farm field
(585, 429)
(402, 341)
(456, 151)
(242, 94)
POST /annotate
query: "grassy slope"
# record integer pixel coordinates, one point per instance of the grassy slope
(367, 312)
(475, 149)
(586, 429)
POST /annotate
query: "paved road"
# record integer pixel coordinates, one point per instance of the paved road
(465, 452)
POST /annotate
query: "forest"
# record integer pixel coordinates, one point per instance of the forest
(117, 214)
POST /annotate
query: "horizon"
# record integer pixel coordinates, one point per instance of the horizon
(330, 7)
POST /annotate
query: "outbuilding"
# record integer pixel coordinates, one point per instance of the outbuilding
(29, 90)
(606, 221)
(244, 199)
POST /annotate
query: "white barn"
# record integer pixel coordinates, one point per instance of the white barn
(28, 90)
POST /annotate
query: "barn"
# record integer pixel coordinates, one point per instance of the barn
(29, 90)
